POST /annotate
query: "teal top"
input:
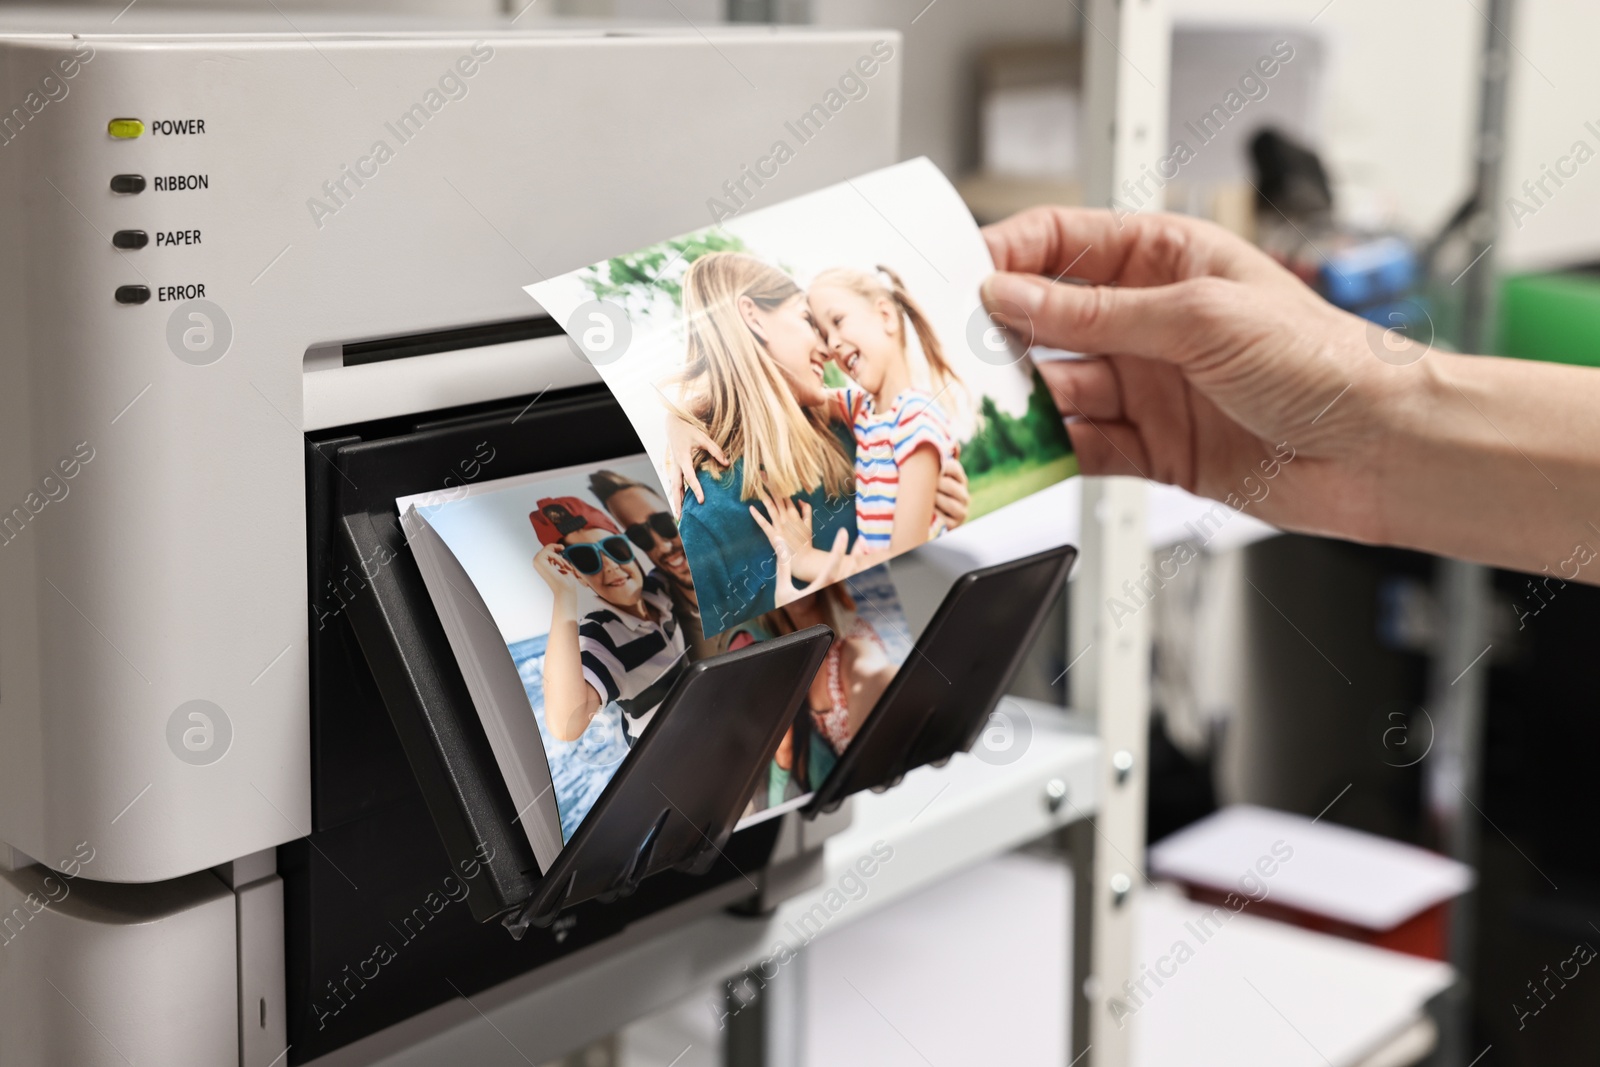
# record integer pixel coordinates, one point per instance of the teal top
(734, 566)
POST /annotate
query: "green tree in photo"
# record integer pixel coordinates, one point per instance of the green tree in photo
(1011, 456)
(635, 281)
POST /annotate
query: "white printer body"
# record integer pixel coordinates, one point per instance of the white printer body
(305, 189)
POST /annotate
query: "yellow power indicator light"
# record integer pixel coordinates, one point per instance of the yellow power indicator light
(125, 129)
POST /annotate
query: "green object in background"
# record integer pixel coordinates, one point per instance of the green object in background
(1553, 317)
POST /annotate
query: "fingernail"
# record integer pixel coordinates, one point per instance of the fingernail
(1025, 291)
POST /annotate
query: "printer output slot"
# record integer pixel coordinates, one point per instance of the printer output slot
(380, 655)
(382, 628)
(660, 811)
(361, 353)
(355, 382)
(663, 810)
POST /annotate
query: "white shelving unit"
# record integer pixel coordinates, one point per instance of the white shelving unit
(1084, 783)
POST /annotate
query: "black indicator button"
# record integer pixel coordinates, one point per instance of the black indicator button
(127, 183)
(130, 238)
(132, 294)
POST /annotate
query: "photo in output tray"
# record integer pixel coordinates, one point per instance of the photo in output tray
(810, 379)
(568, 604)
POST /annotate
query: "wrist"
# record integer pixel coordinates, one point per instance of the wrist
(803, 564)
(1409, 433)
(1476, 453)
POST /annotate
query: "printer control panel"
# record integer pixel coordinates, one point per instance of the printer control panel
(155, 215)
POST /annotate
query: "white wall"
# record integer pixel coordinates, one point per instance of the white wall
(1399, 99)
(939, 109)
(1555, 89)
(1401, 104)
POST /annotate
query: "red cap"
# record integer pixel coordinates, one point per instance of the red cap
(561, 515)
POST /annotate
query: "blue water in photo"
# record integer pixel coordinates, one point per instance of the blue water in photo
(579, 770)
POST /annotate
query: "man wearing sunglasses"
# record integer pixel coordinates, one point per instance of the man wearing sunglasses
(630, 650)
(642, 513)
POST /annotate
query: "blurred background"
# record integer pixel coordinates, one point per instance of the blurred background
(1291, 673)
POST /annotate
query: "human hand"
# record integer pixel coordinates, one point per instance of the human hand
(828, 570)
(561, 576)
(952, 499)
(684, 439)
(793, 521)
(789, 532)
(1207, 357)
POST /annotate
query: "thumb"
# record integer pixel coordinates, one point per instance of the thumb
(1157, 322)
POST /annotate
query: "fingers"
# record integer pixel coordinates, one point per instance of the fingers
(949, 506)
(952, 469)
(680, 468)
(777, 511)
(1131, 249)
(1109, 448)
(1167, 323)
(1089, 394)
(676, 482)
(706, 442)
(836, 554)
(1051, 240)
(1083, 388)
(783, 509)
(785, 592)
(766, 527)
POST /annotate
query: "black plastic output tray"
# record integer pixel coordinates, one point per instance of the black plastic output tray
(959, 669)
(662, 810)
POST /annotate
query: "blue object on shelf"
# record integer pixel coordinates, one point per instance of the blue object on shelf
(1378, 269)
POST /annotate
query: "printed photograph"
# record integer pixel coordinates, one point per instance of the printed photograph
(571, 609)
(817, 384)
(583, 576)
(871, 642)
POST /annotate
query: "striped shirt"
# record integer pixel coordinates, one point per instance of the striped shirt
(630, 661)
(885, 440)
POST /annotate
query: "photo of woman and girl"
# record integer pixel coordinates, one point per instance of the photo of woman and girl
(809, 432)
(585, 578)
(871, 642)
(822, 470)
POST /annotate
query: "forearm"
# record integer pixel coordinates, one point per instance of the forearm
(1497, 461)
(569, 701)
(913, 509)
(812, 563)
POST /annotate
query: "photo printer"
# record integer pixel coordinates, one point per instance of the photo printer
(264, 277)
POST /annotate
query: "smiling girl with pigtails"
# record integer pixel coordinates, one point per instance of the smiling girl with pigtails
(902, 430)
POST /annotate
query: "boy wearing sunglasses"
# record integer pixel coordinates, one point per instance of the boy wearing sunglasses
(629, 651)
(642, 513)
